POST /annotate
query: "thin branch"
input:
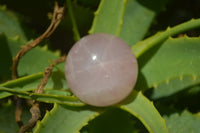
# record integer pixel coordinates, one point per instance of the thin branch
(57, 16)
(18, 110)
(47, 74)
(35, 110)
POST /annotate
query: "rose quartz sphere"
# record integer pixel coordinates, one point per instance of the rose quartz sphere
(101, 69)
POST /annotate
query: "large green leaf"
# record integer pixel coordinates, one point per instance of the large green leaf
(185, 122)
(137, 105)
(109, 17)
(174, 85)
(10, 25)
(115, 121)
(145, 111)
(138, 17)
(64, 119)
(171, 67)
(128, 19)
(34, 61)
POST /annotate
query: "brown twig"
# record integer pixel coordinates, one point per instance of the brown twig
(56, 19)
(18, 110)
(47, 74)
(57, 16)
(35, 110)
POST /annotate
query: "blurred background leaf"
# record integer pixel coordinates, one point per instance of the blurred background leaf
(185, 122)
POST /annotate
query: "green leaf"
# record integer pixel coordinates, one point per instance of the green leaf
(34, 61)
(72, 17)
(129, 19)
(145, 111)
(48, 98)
(10, 25)
(137, 19)
(115, 121)
(108, 17)
(83, 17)
(174, 85)
(193, 90)
(186, 99)
(64, 119)
(9, 48)
(24, 84)
(6, 63)
(185, 122)
(37, 60)
(7, 118)
(171, 67)
(29, 83)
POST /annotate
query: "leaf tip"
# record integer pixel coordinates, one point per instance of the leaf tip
(186, 36)
(168, 28)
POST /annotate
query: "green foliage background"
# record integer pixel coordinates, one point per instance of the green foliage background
(166, 96)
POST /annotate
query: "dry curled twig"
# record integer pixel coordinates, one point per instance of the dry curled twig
(35, 110)
(56, 19)
(57, 16)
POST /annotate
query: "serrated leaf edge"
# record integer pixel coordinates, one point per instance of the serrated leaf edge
(193, 77)
(123, 107)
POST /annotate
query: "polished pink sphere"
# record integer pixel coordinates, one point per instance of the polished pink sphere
(101, 69)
